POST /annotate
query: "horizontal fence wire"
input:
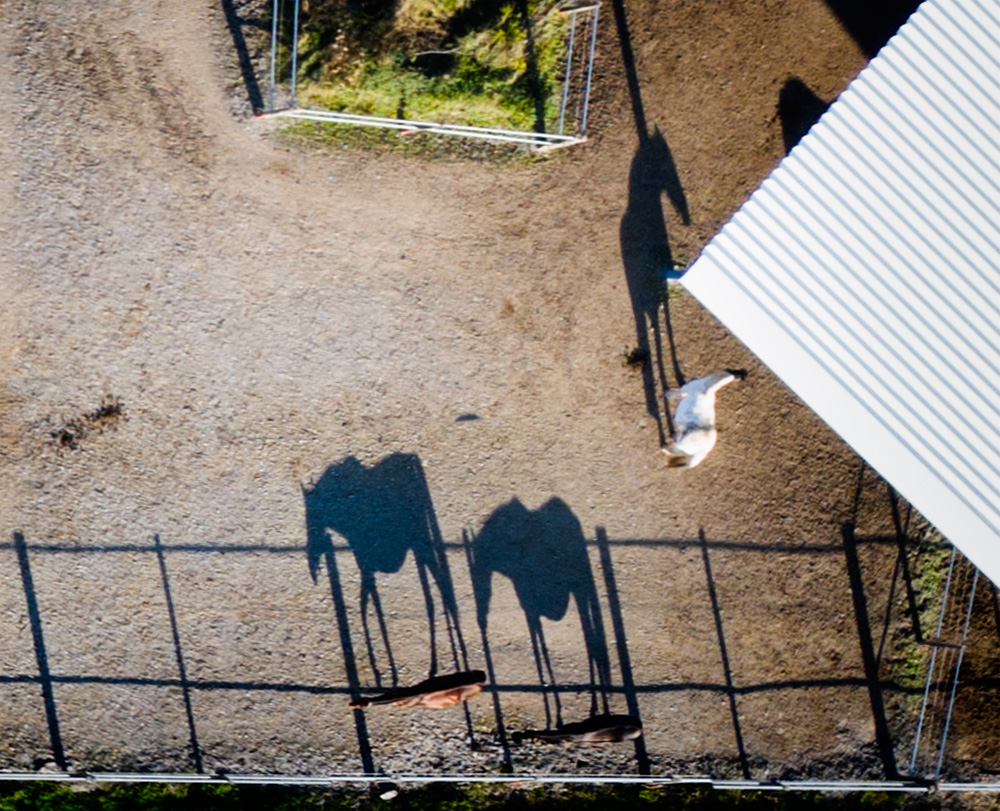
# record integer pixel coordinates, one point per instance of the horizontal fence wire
(510, 779)
(433, 127)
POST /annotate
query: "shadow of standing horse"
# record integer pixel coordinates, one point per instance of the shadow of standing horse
(384, 512)
(544, 554)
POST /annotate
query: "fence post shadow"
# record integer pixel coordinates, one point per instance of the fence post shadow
(181, 669)
(730, 689)
(41, 657)
(485, 16)
(347, 647)
(995, 601)
(900, 567)
(488, 656)
(532, 75)
(235, 24)
(621, 642)
(883, 737)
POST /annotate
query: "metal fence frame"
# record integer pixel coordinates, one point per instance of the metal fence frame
(333, 780)
(542, 141)
(945, 661)
(957, 599)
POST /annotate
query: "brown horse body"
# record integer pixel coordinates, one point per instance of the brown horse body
(433, 693)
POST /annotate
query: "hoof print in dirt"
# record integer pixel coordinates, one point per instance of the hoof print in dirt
(104, 416)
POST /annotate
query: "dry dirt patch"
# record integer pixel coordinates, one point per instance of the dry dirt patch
(267, 315)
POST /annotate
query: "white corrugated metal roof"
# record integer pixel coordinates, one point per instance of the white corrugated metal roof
(866, 269)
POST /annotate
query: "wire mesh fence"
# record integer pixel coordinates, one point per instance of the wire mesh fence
(957, 597)
(947, 650)
(574, 93)
(214, 706)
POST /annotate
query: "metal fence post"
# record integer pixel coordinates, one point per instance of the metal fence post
(590, 70)
(275, 14)
(295, 54)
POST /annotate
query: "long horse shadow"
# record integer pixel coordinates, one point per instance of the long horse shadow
(645, 245)
(544, 554)
(384, 512)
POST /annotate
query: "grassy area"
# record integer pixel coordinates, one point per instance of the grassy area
(480, 62)
(435, 797)
(309, 134)
(928, 565)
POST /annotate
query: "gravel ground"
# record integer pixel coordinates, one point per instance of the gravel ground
(248, 383)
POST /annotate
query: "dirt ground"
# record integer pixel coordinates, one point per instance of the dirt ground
(252, 388)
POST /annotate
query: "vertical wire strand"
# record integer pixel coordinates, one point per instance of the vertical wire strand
(275, 14)
(958, 668)
(566, 79)
(590, 69)
(930, 669)
(295, 54)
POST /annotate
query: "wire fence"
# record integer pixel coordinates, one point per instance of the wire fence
(335, 780)
(577, 83)
(956, 589)
(947, 650)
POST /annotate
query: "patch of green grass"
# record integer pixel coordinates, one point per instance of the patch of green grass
(490, 63)
(424, 146)
(434, 797)
(468, 95)
(928, 567)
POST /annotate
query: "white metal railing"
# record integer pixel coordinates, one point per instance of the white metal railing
(540, 140)
(537, 779)
(406, 125)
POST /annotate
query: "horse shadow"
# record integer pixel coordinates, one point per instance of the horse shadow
(544, 554)
(645, 244)
(647, 258)
(798, 109)
(384, 512)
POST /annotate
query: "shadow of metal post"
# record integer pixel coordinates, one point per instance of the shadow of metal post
(350, 668)
(235, 25)
(883, 738)
(41, 657)
(532, 73)
(902, 529)
(621, 642)
(182, 671)
(995, 600)
(730, 689)
(487, 655)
